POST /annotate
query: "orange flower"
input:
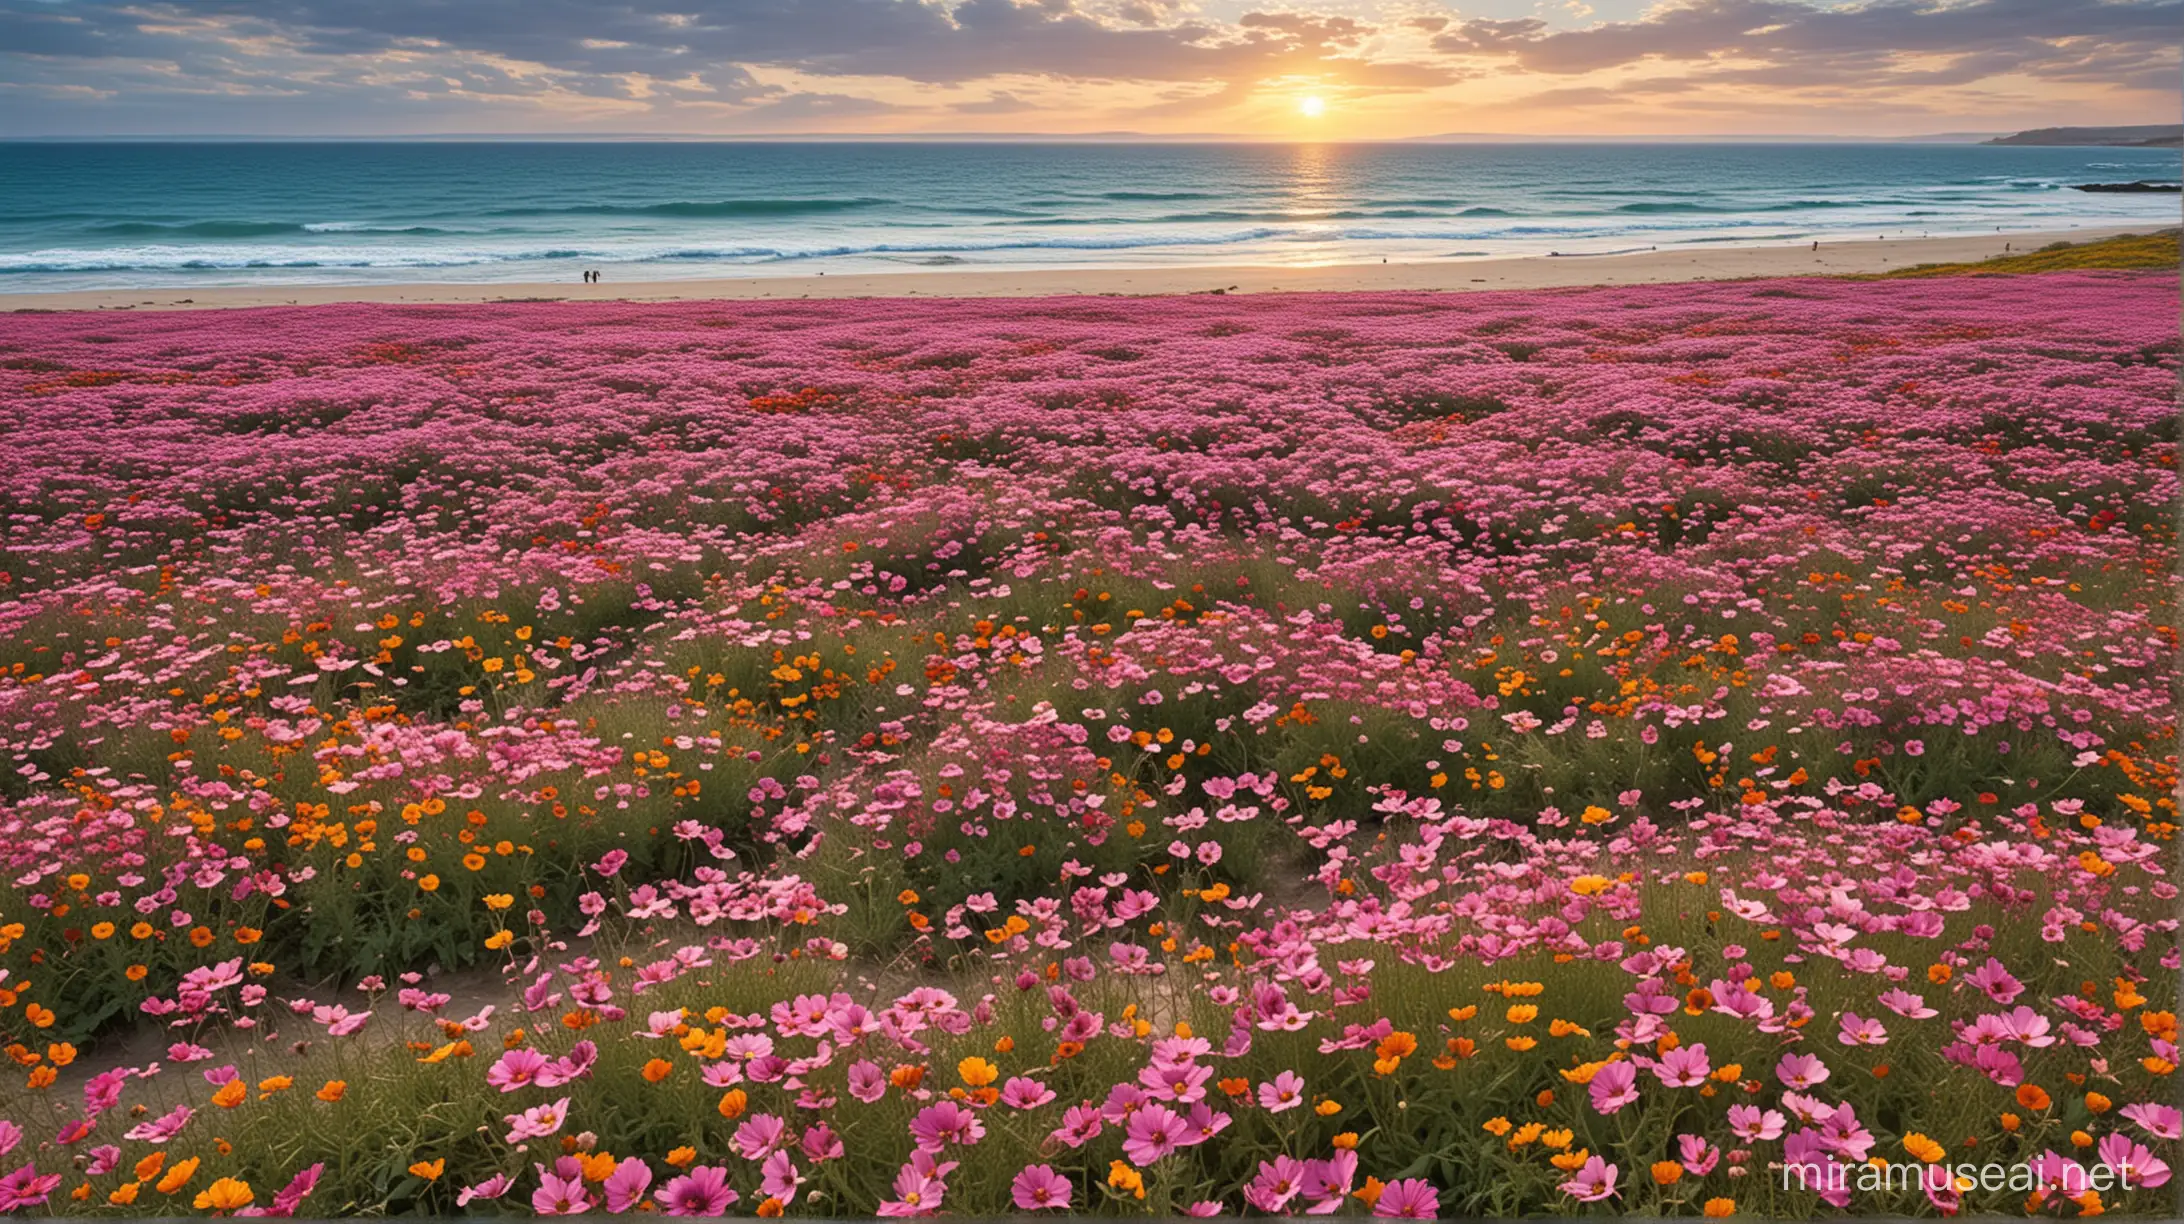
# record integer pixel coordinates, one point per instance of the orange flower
(149, 1167)
(2033, 1097)
(1667, 1172)
(2096, 1103)
(332, 1090)
(178, 1176)
(230, 1094)
(731, 1104)
(430, 1170)
(1719, 1208)
(657, 1069)
(682, 1156)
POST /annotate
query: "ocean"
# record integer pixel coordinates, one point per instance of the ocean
(126, 215)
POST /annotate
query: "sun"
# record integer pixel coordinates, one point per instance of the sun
(1312, 106)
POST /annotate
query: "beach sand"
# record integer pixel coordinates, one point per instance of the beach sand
(1525, 272)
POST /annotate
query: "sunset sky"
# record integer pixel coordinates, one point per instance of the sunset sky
(1325, 69)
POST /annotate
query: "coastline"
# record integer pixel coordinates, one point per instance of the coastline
(1452, 275)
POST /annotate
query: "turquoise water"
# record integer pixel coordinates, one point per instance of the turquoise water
(98, 215)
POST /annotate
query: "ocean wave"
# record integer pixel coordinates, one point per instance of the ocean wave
(700, 208)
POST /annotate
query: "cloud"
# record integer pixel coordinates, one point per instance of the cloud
(1875, 42)
(505, 65)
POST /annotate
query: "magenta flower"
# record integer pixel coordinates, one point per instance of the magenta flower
(1039, 1188)
(1412, 1198)
(703, 1191)
(26, 1187)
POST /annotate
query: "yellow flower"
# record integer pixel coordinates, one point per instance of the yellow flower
(1327, 1109)
(977, 1072)
(1497, 1126)
(227, 1194)
(1126, 1179)
(1523, 1013)
(499, 901)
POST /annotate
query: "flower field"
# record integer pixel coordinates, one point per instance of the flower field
(1595, 751)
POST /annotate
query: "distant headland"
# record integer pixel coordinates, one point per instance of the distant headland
(2143, 136)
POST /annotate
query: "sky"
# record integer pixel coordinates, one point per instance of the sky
(1282, 69)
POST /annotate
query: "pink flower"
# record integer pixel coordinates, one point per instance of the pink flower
(516, 1069)
(626, 1186)
(1278, 1182)
(491, 1188)
(1039, 1188)
(867, 1082)
(1285, 1093)
(2135, 1164)
(2160, 1121)
(1801, 1071)
(1021, 1092)
(574, 1065)
(937, 1126)
(703, 1191)
(1327, 1182)
(1151, 1133)
(538, 1121)
(1857, 1030)
(1683, 1067)
(557, 1195)
(1594, 1182)
(759, 1135)
(1613, 1087)
(162, 1128)
(1414, 1198)
(1752, 1125)
(778, 1177)
(611, 862)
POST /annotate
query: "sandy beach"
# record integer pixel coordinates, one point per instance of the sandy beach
(1527, 272)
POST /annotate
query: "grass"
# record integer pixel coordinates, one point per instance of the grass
(2125, 251)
